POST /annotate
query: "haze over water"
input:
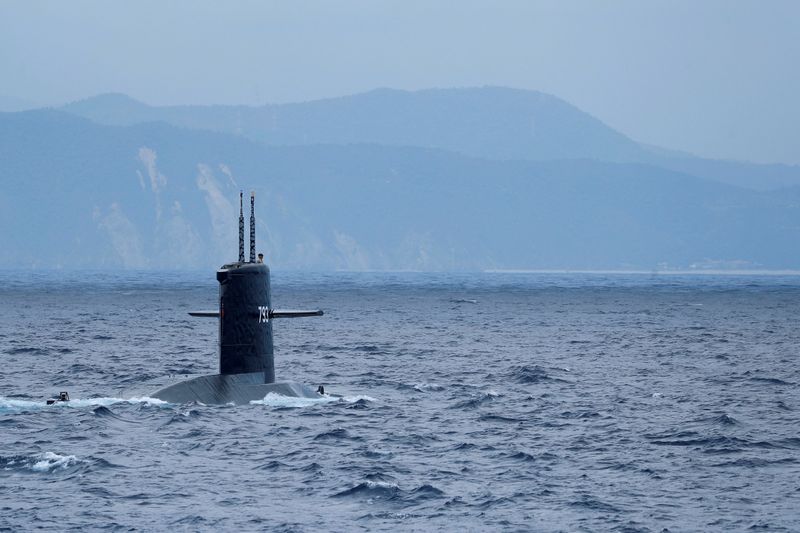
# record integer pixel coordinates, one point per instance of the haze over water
(472, 402)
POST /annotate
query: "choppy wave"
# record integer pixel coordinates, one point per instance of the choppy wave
(559, 403)
(273, 399)
(42, 462)
(476, 400)
(428, 387)
(12, 405)
(390, 492)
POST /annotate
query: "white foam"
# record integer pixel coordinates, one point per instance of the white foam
(273, 399)
(48, 461)
(424, 387)
(15, 406)
(381, 485)
(8, 404)
(105, 402)
(354, 399)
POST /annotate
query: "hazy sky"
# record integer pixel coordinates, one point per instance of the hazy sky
(717, 78)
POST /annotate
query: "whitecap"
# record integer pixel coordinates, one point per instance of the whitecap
(107, 401)
(48, 461)
(10, 405)
(273, 399)
(360, 397)
(381, 484)
(425, 387)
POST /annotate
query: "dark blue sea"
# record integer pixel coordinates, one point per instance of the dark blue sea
(469, 402)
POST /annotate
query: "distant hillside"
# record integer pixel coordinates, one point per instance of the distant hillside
(74, 193)
(489, 122)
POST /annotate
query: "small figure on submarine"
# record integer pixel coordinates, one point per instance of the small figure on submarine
(246, 358)
(64, 397)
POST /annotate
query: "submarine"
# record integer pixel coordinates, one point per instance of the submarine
(246, 353)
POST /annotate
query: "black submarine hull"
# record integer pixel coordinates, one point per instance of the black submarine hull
(237, 389)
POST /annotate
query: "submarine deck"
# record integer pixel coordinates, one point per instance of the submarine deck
(219, 389)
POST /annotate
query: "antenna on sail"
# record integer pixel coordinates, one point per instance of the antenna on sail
(241, 230)
(252, 226)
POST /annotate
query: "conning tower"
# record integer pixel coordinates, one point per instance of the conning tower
(246, 354)
(245, 302)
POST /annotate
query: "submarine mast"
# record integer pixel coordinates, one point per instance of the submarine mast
(252, 226)
(241, 230)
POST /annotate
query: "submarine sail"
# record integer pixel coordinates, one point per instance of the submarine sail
(246, 352)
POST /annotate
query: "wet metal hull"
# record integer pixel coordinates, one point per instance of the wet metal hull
(238, 389)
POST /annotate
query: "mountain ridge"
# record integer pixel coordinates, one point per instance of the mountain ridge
(474, 121)
(489, 122)
(159, 196)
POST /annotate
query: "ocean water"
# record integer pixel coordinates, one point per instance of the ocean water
(474, 402)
